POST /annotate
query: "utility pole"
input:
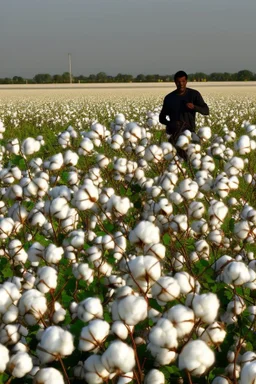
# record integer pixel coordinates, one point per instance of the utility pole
(70, 69)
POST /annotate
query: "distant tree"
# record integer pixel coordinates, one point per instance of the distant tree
(101, 77)
(140, 77)
(123, 78)
(18, 80)
(245, 75)
(65, 77)
(43, 78)
(57, 78)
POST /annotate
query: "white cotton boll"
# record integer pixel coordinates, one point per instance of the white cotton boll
(196, 357)
(6, 227)
(54, 342)
(163, 356)
(215, 237)
(144, 270)
(10, 315)
(206, 307)
(196, 209)
(20, 364)
(46, 279)
(236, 273)
(125, 378)
(32, 305)
(145, 232)
(220, 380)
(157, 250)
(130, 309)
(48, 376)
(59, 313)
(188, 189)
(58, 208)
(4, 353)
(82, 271)
(204, 133)
(233, 370)
(165, 289)
(183, 141)
(217, 212)
(153, 153)
(200, 226)
(9, 294)
(154, 376)
(118, 356)
(178, 261)
(93, 335)
(35, 253)
(186, 282)
(95, 372)
(89, 309)
(119, 329)
(236, 306)
(118, 205)
(70, 158)
(202, 249)
(53, 254)
(214, 334)
(176, 198)
(182, 318)
(179, 223)
(243, 145)
(30, 146)
(242, 229)
(13, 146)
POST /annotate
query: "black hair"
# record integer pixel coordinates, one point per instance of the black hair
(180, 74)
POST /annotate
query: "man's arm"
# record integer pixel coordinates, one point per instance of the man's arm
(164, 112)
(200, 105)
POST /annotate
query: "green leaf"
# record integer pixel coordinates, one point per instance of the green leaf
(231, 225)
(166, 239)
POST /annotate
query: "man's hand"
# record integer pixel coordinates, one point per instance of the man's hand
(190, 106)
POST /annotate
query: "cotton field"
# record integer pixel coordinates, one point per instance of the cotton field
(121, 263)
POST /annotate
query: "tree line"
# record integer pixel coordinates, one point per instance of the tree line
(102, 77)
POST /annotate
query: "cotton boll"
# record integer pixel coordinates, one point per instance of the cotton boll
(196, 357)
(35, 253)
(188, 189)
(221, 380)
(48, 376)
(53, 254)
(145, 232)
(185, 281)
(4, 352)
(6, 227)
(206, 307)
(182, 318)
(236, 273)
(83, 271)
(54, 342)
(179, 223)
(46, 279)
(243, 145)
(119, 329)
(20, 364)
(154, 376)
(204, 133)
(30, 146)
(93, 335)
(130, 309)
(118, 356)
(175, 198)
(95, 371)
(9, 295)
(144, 270)
(214, 334)
(10, 315)
(196, 209)
(163, 356)
(165, 289)
(32, 305)
(242, 229)
(157, 250)
(89, 309)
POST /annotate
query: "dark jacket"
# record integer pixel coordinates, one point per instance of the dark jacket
(174, 106)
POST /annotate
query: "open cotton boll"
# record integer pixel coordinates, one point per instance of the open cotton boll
(20, 364)
(70, 158)
(48, 376)
(93, 335)
(188, 189)
(54, 163)
(242, 229)
(95, 371)
(35, 253)
(46, 279)
(82, 271)
(163, 356)
(163, 334)
(182, 318)
(119, 329)
(157, 250)
(196, 209)
(179, 223)
(165, 289)
(214, 334)
(55, 342)
(53, 254)
(145, 232)
(186, 282)
(32, 306)
(220, 380)
(204, 133)
(6, 227)
(30, 146)
(85, 147)
(89, 309)
(13, 146)
(206, 307)
(243, 145)
(153, 153)
(196, 357)
(217, 212)
(130, 309)
(59, 313)
(144, 270)
(118, 205)
(4, 353)
(235, 273)
(9, 294)
(85, 197)
(118, 357)
(154, 376)
(125, 378)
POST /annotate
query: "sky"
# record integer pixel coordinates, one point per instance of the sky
(126, 36)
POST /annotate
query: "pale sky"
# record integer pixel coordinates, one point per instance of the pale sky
(126, 36)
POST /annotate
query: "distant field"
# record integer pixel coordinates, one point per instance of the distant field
(121, 90)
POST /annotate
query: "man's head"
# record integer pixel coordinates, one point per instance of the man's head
(181, 79)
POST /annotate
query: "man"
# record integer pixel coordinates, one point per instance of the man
(180, 106)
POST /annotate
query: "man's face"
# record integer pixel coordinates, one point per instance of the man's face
(181, 83)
